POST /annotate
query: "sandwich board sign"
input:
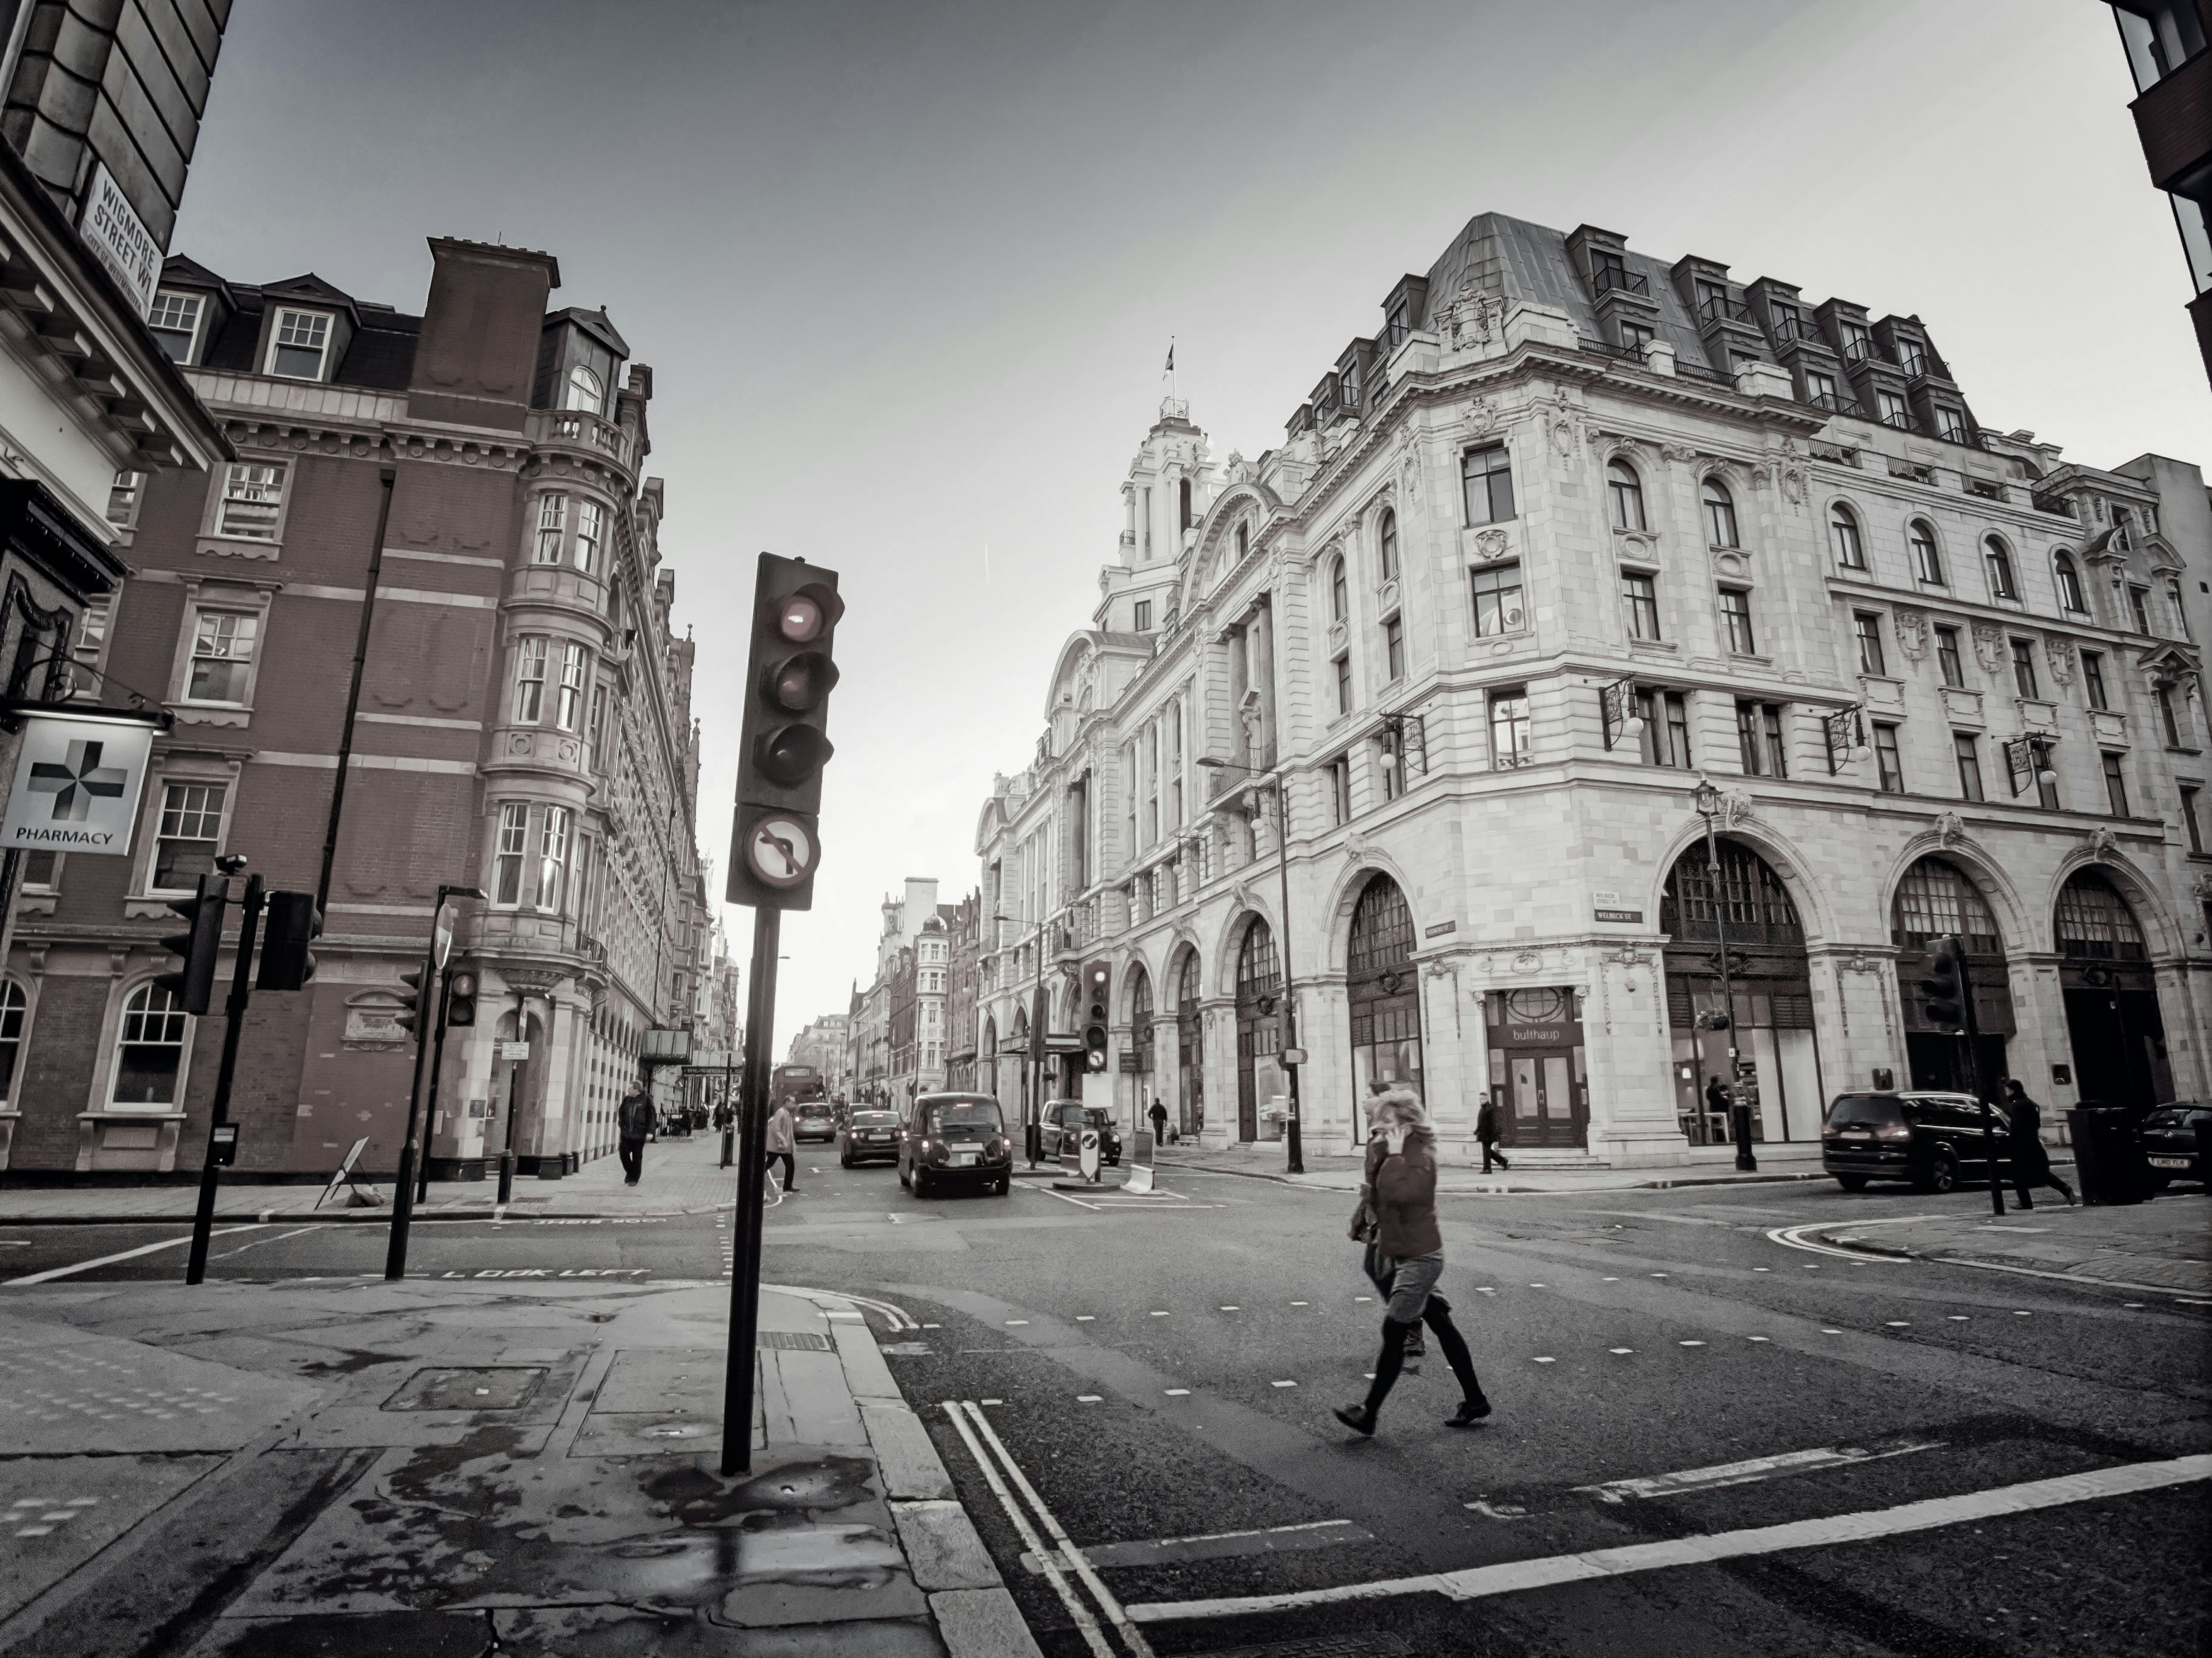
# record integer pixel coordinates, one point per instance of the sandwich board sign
(78, 781)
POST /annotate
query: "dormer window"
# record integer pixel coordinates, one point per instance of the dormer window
(301, 341)
(175, 322)
(586, 391)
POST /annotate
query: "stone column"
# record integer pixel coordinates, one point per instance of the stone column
(1628, 1050)
(1219, 1048)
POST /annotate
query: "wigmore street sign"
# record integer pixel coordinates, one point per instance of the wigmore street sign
(76, 786)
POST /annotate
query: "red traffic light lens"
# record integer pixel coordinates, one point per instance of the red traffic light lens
(793, 755)
(465, 984)
(808, 614)
(799, 683)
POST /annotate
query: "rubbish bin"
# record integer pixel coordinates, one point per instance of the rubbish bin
(2108, 1154)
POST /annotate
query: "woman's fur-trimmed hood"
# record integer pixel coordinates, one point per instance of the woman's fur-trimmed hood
(1397, 1109)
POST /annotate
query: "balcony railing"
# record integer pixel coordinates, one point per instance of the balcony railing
(585, 431)
(1721, 308)
(1600, 348)
(1836, 453)
(1987, 488)
(1828, 400)
(1699, 372)
(2058, 506)
(1858, 350)
(1606, 280)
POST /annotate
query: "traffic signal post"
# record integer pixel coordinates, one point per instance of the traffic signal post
(1950, 1003)
(411, 1017)
(219, 1146)
(775, 849)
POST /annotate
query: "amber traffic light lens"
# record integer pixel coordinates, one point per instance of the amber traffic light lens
(802, 682)
(800, 620)
(465, 984)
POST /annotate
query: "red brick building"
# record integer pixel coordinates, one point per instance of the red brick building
(434, 553)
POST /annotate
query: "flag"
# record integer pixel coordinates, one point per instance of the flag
(1170, 369)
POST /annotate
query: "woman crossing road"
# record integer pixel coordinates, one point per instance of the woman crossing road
(1397, 1213)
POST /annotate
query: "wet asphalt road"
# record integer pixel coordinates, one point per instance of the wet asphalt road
(1162, 1369)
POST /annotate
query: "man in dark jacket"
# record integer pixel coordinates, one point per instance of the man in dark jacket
(1159, 1116)
(634, 1119)
(1486, 1130)
(2031, 1163)
(1398, 1209)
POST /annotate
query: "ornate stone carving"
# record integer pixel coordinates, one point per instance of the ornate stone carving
(1680, 454)
(2103, 845)
(1637, 545)
(1950, 830)
(1735, 806)
(1481, 419)
(1793, 485)
(1990, 647)
(1473, 317)
(2060, 652)
(1911, 632)
(1528, 961)
(1492, 543)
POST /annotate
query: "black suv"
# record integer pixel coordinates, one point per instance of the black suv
(2169, 1140)
(1933, 1140)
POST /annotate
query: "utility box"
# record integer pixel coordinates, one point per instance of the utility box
(2108, 1154)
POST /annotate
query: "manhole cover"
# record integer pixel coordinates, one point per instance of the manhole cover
(504, 1388)
(1374, 1644)
(800, 1341)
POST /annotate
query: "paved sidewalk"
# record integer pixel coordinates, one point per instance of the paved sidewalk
(681, 1177)
(1705, 1165)
(2159, 1246)
(444, 1465)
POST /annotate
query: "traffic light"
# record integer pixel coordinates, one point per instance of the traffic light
(1098, 982)
(776, 843)
(1945, 986)
(461, 997)
(193, 984)
(292, 923)
(410, 1001)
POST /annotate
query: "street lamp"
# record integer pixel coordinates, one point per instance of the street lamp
(1290, 1021)
(1707, 800)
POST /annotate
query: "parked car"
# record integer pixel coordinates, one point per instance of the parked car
(2170, 1142)
(955, 1139)
(812, 1120)
(1065, 1122)
(1935, 1140)
(868, 1137)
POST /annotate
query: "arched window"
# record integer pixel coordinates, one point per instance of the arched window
(1186, 985)
(585, 390)
(1141, 1025)
(1720, 514)
(1927, 562)
(2069, 584)
(1937, 898)
(1244, 541)
(1626, 491)
(2095, 921)
(150, 1051)
(1389, 544)
(1758, 908)
(1844, 536)
(1382, 931)
(1338, 601)
(12, 1009)
(1257, 972)
(1998, 563)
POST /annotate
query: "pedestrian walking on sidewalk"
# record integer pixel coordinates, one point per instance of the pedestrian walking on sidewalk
(1397, 1213)
(1486, 1130)
(634, 1119)
(1159, 1116)
(782, 1142)
(2031, 1163)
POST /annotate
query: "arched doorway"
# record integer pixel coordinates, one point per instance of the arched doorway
(1382, 990)
(1935, 899)
(986, 1056)
(1140, 1047)
(1190, 1052)
(1019, 1058)
(2112, 1000)
(1777, 1065)
(1260, 1077)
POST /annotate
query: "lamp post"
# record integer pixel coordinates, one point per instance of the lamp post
(1707, 799)
(1290, 1015)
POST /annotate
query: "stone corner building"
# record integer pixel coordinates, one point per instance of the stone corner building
(434, 552)
(1574, 526)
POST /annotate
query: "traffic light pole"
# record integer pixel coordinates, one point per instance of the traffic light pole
(1970, 1033)
(752, 1178)
(513, 1087)
(437, 1063)
(403, 1188)
(234, 1011)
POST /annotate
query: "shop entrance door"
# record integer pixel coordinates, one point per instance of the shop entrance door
(1548, 1108)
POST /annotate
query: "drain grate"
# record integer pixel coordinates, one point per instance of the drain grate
(794, 1341)
(1372, 1644)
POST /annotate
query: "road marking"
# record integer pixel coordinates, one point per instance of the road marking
(1751, 1470)
(1282, 1384)
(255, 1243)
(1479, 1583)
(1757, 1338)
(1898, 1323)
(1232, 1309)
(1086, 1318)
(890, 1311)
(1013, 1323)
(1794, 1237)
(1301, 1303)
(1178, 1393)
(1089, 1398)
(1215, 1545)
(52, 1273)
(1078, 1613)
(1958, 1318)
(1073, 1556)
(1159, 1314)
(1690, 1344)
(1832, 1333)
(1546, 1361)
(1620, 1350)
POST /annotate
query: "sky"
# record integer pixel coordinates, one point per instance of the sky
(906, 273)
